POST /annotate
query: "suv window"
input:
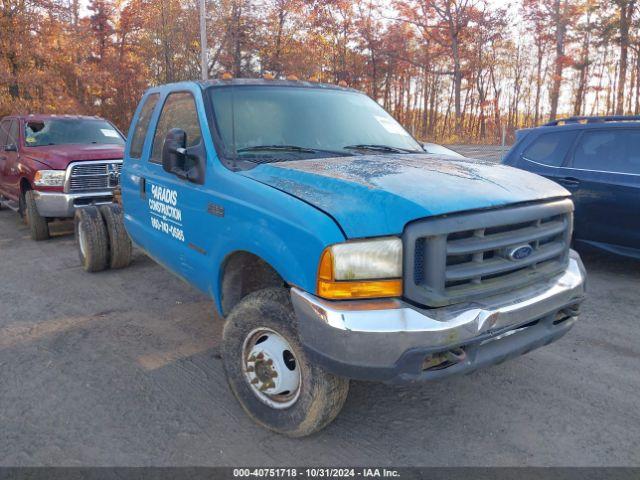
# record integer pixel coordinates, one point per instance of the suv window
(609, 150)
(550, 148)
(179, 111)
(140, 130)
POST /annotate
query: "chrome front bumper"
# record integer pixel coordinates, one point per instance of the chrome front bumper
(61, 205)
(389, 340)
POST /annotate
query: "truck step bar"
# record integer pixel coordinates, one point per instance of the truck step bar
(10, 204)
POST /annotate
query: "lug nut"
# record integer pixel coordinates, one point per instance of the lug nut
(255, 381)
(260, 356)
(250, 369)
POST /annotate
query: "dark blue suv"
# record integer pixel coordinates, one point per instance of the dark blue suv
(598, 160)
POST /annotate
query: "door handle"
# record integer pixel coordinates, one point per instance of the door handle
(143, 187)
(569, 182)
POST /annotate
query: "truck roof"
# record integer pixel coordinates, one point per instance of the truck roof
(51, 116)
(274, 82)
(252, 82)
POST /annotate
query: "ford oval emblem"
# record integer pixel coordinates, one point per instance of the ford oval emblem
(520, 252)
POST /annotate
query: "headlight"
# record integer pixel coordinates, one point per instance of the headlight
(363, 269)
(49, 178)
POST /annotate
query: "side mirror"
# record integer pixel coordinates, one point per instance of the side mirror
(12, 147)
(184, 162)
(174, 150)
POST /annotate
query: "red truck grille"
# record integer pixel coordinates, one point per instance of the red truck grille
(93, 176)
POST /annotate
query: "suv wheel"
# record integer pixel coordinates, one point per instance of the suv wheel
(268, 370)
(38, 225)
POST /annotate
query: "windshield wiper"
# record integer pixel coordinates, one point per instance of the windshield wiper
(380, 148)
(286, 148)
(291, 148)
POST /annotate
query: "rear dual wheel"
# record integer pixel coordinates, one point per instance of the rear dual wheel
(119, 242)
(101, 238)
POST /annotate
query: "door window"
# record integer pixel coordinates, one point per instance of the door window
(140, 130)
(13, 136)
(550, 149)
(4, 133)
(609, 151)
(179, 111)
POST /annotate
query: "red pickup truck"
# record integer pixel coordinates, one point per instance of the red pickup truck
(52, 164)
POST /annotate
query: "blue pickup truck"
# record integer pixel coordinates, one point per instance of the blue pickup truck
(333, 245)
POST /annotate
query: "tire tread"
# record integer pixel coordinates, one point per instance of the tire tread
(324, 394)
(95, 231)
(38, 226)
(119, 242)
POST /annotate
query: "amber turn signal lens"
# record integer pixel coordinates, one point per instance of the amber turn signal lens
(344, 290)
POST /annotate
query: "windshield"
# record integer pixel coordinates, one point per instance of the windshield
(38, 133)
(273, 123)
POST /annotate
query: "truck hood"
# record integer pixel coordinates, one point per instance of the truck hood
(59, 157)
(374, 195)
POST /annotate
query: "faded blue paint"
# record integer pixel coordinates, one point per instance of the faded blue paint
(287, 233)
(287, 213)
(378, 194)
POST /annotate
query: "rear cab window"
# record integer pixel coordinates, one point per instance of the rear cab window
(550, 149)
(612, 150)
(142, 125)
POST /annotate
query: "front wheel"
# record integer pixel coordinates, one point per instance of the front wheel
(38, 225)
(268, 370)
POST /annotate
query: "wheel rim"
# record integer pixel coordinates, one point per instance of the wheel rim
(81, 241)
(271, 368)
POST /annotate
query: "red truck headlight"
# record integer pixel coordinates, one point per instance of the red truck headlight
(49, 178)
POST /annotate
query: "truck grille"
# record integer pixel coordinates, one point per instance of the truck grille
(464, 257)
(92, 176)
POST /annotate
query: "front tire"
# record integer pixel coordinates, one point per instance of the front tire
(269, 372)
(38, 225)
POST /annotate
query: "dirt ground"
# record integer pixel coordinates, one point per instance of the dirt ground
(122, 368)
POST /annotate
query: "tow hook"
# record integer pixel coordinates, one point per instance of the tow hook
(566, 313)
(441, 360)
(455, 355)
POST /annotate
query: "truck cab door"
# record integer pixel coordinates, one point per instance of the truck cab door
(9, 173)
(164, 212)
(605, 171)
(4, 133)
